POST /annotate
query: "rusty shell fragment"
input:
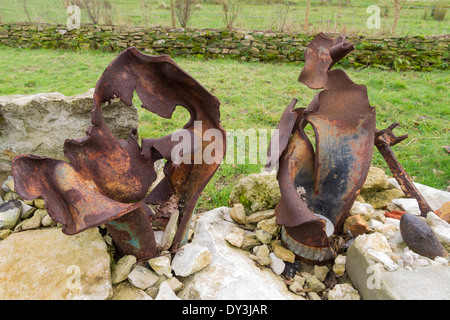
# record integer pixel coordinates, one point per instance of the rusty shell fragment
(106, 180)
(319, 184)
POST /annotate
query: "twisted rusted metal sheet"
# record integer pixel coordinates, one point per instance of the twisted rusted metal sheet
(107, 180)
(324, 180)
(320, 184)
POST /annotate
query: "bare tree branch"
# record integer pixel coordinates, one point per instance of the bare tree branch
(25, 8)
(183, 10)
(231, 9)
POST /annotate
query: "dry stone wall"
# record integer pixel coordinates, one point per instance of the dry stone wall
(399, 53)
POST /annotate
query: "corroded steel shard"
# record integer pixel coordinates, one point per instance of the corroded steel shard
(70, 199)
(319, 185)
(162, 86)
(107, 180)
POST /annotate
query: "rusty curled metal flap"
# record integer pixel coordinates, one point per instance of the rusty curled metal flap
(285, 128)
(328, 178)
(77, 204)
(162, 85)
(107, 179)
(320, 55)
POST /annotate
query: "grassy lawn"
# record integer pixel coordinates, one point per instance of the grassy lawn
(254, 95)
(254, 15)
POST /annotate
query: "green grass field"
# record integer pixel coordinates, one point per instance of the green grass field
(254, 95)
(254, 15)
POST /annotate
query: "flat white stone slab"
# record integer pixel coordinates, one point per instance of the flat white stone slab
(375, 283)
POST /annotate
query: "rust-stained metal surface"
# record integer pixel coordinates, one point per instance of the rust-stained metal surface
(383, 141)
(320, 184)
(107, 180)
(324, 180)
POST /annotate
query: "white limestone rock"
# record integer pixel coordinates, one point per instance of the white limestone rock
(190, 259)
(126, 291)
(382, 258)
(408, 205)
(434, 197)
(169, 232)
(376, 180)
(39, 123)
(142, 277)
(232, 275)
(9, 214)
(46, 264)
(166, 293)
(440, 228)
(257, 192)
(375, 241)
(161, 265)
(343, 292)
(365, 210)
(122, 268)
(276, 264)
(237, 213)
(236, 237)
(339, 265)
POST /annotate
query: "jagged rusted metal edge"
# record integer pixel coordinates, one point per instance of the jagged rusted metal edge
(162, 85)
(70, 199)
(384, 140)
(106, 174)
(321, 55)
(331, 175)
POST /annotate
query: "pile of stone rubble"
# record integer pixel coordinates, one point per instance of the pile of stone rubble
(232, 253)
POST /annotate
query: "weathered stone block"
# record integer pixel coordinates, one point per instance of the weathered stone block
(374, 282)
(40, 123)
(47, 264)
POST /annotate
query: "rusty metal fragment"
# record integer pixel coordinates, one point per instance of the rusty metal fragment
(106, 180)
(384, 140)
(319, 185)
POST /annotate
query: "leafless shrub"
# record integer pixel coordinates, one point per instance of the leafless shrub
(172, 13)
(281, 13)
(183, 11)
(231, 9)
(108, 13)
(96, 10)
(438, 12)
(308, 6)
(78, 3)
(25, 9)
(146, 9)
(93, 9)
(398, 7)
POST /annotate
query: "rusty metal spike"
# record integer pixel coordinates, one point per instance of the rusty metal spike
(384, 139)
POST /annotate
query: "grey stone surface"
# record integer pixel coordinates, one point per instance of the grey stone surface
(232, 274)
(434, 197)
(257, 192)
(38, 124)
(374, 283)
(46, 264)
